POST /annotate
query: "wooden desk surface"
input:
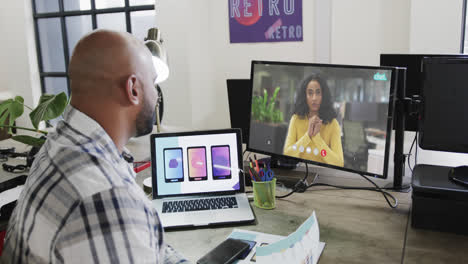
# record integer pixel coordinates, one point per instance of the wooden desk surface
(357, 226)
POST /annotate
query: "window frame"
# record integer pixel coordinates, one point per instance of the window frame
(62, 15)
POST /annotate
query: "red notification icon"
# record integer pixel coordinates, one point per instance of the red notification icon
(323, 153)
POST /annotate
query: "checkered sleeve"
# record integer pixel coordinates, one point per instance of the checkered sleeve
(173, 257)
(112, 226)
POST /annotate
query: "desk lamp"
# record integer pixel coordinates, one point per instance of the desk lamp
(154, 43)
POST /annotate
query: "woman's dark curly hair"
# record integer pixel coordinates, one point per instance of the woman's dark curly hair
(326, 111)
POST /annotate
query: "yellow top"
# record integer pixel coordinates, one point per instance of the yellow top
(325, 147)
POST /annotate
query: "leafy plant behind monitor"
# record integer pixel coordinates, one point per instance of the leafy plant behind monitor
(50, 107)
(263, 110)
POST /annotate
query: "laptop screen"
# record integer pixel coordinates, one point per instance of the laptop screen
(196, 162)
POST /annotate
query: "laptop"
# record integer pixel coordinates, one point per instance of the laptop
(197, 178)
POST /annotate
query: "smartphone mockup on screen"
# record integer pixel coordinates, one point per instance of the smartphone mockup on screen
(227, 252)
(197, 168)
(173, 165)
(221, 162)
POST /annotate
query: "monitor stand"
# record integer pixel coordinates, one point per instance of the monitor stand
(283, 163)
(459, 175)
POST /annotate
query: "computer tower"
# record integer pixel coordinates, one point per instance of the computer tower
(438, 203)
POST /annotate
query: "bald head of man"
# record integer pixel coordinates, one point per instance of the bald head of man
(112, 81)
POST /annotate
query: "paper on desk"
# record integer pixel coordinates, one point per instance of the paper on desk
(10, 195)
(302, 246)
(259, 238)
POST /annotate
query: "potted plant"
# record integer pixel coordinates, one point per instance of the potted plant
(267, 123)
(49, 107)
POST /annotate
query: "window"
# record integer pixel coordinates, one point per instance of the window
(59, 24)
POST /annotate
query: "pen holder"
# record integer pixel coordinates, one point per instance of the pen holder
(264, 194)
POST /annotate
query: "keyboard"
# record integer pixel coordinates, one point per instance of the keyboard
(199, 204)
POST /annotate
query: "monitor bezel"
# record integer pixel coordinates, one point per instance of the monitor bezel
(391, 107)
(231, 84)
(421, 139)
(236, 131)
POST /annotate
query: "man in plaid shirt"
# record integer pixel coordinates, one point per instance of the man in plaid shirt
(81, 203)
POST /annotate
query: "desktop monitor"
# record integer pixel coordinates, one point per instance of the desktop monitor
(337, 116)
(444, 122)
(239, 108)
(413, 64)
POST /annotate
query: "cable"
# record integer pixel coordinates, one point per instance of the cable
(384, 193)
(243, 154)
(410, 151)
(14, 168)
(307, 172)
(286, 195)
(416, 154)
(300, 187)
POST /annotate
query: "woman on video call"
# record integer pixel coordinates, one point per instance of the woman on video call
(314, 134)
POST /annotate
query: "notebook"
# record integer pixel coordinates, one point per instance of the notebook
(197, 178)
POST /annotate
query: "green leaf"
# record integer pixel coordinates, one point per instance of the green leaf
(11, 109)
(271, 105)
(50, 106)
(28, 140)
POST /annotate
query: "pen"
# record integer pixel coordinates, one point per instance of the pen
(251, 175)
(139, 166)
(255, 175)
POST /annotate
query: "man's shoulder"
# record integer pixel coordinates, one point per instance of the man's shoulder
(84, 167)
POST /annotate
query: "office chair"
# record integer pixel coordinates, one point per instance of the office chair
(355, 145)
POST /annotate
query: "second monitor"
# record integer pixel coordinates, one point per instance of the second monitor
(336, 116)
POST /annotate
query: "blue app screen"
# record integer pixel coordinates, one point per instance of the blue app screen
(173, 166)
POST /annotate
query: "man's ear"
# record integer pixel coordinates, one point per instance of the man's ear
(132, 90)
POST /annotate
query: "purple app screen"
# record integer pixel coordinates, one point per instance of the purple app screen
(221, 161)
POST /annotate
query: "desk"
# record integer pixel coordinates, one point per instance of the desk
(355, 231)
(357, 226)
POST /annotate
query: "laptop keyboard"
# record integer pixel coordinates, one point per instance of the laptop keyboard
(199, 204)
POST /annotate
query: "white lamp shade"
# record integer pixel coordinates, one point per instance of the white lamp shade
(162, 70)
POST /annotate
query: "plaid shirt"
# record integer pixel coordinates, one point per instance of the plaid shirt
(81, 204)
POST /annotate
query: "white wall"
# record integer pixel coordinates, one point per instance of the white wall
(363, 29)
(435, 26)
(201, 58)
(19, 73)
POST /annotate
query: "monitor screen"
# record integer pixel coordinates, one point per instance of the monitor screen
(196, 162)
(413, 64)
(239, 110)
(331, 115)
(444, 122)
